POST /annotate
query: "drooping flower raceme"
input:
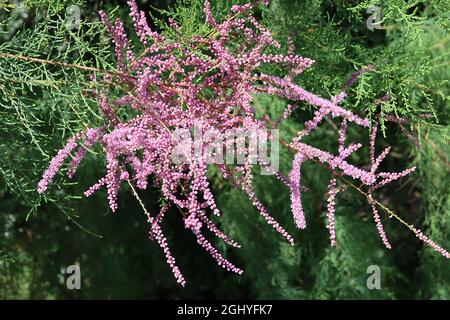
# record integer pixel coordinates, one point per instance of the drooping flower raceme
(208, 83)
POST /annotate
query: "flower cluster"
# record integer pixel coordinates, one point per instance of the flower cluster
(209, 84)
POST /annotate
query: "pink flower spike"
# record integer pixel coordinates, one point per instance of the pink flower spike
(208, 14)
(338, 99)
(157, 234)
(430, 243)
(332, 192)
(373, 136)
(91, 137)
(380, 228)
(101, 182)
(392, 176)
(379, 159)
(270, 220)
(195, 225)
(346, 152)
(342, 135)
(217, 232)
(296, 202)
(56, 164)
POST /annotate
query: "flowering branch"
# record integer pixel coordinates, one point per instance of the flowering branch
(176, 89)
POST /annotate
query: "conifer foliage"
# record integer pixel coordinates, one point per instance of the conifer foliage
(338, 132)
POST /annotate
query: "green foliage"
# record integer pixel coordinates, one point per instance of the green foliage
(42, 103)
(434, 273)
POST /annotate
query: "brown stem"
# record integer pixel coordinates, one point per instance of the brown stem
(63, 64)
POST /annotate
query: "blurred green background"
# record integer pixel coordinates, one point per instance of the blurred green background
(41, 106)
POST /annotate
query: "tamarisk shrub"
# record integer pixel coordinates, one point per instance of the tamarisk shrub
(209, 82)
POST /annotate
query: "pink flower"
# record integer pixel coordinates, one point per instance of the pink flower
(332, 191)
(56, 164)
(296, 204)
